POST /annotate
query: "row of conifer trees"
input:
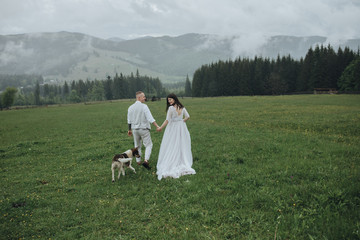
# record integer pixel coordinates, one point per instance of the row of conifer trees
(322, 67)
(117, 87)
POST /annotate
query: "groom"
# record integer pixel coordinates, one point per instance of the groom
(139, 118)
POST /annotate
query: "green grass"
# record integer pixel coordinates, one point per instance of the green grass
(284, 167)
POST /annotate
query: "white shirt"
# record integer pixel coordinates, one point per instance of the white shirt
(139, 116)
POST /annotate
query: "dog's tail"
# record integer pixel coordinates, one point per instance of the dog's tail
(124, 160)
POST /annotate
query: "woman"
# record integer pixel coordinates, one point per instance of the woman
(175, 157)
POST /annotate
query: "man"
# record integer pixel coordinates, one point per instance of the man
(139, 118)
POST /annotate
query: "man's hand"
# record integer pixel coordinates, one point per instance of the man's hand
(129, 133)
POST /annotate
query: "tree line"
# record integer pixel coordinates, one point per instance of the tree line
(118, 87)
(322, 67)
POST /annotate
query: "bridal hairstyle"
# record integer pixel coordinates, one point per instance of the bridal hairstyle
(177, 102)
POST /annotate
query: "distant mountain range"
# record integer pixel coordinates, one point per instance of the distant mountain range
(72, 56)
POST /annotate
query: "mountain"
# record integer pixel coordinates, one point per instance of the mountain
(72, 56)
(116, 39)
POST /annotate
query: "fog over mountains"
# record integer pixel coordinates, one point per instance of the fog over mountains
(72, 56)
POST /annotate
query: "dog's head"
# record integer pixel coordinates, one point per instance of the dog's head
(135, 152)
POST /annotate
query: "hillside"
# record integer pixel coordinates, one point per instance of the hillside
(72, 56)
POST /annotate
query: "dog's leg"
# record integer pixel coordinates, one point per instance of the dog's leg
(123, 170)
(113, 172)
(132, 168)
(119, 172)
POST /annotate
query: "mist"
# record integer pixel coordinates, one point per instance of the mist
(249, 19)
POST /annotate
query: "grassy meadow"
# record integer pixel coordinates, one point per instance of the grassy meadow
(268, 167)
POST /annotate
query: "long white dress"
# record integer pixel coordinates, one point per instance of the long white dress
(175, 157)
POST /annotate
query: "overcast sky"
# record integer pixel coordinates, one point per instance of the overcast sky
(336, 19)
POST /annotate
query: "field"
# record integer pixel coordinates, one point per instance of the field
(272, 167)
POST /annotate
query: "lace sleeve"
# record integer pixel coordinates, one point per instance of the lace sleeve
(169, 113)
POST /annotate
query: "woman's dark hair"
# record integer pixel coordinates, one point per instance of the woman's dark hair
(177, 102)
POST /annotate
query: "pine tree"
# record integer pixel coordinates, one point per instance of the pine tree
(197, 82)
(108, 89)
(46, 90)
(37, 94)
(187, 87)
(116, 87)
(303, 81)
(66, 90)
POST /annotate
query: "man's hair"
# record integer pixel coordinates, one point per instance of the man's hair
(138, 93)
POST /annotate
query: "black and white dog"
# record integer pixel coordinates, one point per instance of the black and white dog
(124, 159)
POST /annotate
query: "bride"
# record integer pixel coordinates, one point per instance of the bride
(175, 157)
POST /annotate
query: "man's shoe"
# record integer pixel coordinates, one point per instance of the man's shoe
(146, 165)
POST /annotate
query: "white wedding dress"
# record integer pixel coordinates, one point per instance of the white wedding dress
(175, 157)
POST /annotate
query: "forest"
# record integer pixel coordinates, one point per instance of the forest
(37, 92)
(322, 67)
